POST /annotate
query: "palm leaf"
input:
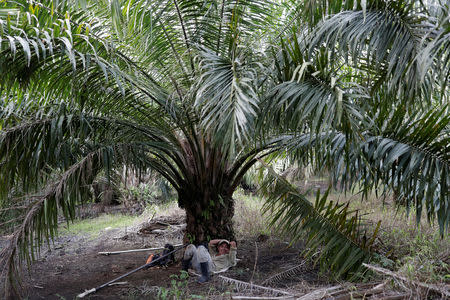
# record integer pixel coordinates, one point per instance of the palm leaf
(391, 33)
(312, 94)
(227, 99)
(329, 227)
(408, 155)
(41, 219)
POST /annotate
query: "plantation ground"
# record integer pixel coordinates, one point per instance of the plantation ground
(77, 266)
(73, 264)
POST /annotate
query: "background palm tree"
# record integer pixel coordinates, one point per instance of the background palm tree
(177, 87)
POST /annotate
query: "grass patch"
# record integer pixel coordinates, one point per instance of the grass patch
(93, 227)
(414, 250)
(249, 220)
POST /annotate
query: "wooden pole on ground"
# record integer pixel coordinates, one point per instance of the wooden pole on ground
(134, 250)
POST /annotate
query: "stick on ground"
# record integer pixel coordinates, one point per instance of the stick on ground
(427, 286)
(134, 250)
(126, 274)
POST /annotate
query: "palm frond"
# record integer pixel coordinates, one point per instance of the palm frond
(57, 139)
(292, 272)
(412, 157)
(315, 10)
(312, 95)
(329, 227)
(408, 155)
(311, 105)
(242, 286)
(392, 34)
(41, 219)
(227, 98)
(434, 59)
(35, 59)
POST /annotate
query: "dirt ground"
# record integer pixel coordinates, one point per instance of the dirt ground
(67, 274)
(73, 265)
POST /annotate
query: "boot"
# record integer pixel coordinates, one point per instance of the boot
(185, 263)
(205, 273)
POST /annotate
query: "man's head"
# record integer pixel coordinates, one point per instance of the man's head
(223, 247)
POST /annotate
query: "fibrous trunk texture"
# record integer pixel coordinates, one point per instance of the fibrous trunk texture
(208, 216)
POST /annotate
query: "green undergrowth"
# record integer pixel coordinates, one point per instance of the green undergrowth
(415, 250)
(93, 227)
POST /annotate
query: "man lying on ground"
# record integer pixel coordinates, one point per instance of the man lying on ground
(220, 257)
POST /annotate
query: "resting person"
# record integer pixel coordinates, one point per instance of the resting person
(220, 257)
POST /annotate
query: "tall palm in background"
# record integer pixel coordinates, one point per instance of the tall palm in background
(181, 86)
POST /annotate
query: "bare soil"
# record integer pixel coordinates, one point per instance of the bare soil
(73, 265)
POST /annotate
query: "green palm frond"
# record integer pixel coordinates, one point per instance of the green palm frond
(312, 95)
(227, 98)
(95, 66)
(58, 139)
(408, 155)
(165, 34)
(412, 157)
(435, 56)
(316, 10)
(41, 219)
(389, 34)
(331, 229)
(311, 105)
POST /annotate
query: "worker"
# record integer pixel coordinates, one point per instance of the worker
(219, 258)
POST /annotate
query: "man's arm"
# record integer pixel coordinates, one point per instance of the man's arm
(213, 243)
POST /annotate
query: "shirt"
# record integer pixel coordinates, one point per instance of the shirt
(223, 262)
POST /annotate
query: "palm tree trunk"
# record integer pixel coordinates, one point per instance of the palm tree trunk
(208, 216)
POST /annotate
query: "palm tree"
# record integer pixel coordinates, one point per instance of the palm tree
(167, 86)
(153, 101)
(181, 87)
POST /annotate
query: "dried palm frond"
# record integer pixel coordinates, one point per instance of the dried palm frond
(444, 291)
(289, 273)
(242, 286)
(240, 297)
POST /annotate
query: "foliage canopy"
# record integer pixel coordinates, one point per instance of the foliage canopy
(200, 91)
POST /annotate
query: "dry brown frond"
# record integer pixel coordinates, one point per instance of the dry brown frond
(291, 272)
